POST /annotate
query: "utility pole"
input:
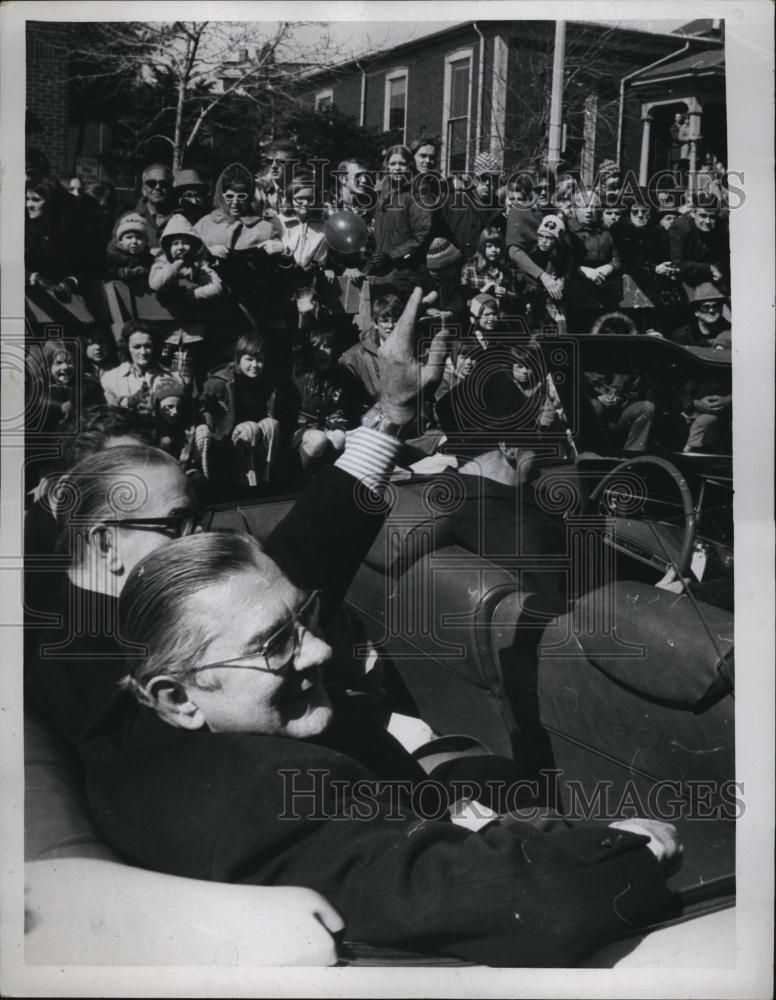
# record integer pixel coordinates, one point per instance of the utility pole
(556, 104)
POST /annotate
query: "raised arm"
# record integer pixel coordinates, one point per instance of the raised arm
(323, 539)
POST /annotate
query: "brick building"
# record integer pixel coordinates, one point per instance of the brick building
(475, 85)
(485, 86)
(48, 99)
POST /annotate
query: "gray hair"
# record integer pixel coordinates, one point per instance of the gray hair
(105, 484)
(156, 603)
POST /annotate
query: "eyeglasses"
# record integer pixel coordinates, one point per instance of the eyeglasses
(282, 647)
(236, 195)
(640, 211)
(153, 183)
(708, 307)
(176, 525)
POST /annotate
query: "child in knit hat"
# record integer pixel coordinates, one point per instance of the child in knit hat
(168, 398)
(173, 422)
(485, 314)
(128, 257)
(443, 264)
(490, 271)
(547, 253)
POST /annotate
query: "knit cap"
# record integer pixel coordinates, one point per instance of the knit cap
(479, 302)
(166, 386)
(442, 253)
(131, 222)
(486, 163)
(551, 225)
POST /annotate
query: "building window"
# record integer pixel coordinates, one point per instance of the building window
(457, 103)
(395, 114)
(324, 99)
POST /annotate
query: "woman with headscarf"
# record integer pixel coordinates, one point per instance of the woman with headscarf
(232, 225)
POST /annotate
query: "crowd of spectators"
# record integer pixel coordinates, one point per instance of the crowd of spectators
(240, 321)
(215, 347)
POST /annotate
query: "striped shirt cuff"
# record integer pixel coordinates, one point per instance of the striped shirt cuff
(369, 457)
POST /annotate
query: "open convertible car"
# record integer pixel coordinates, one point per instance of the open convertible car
(530, 621)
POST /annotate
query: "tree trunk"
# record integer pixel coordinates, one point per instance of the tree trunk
(177, 146)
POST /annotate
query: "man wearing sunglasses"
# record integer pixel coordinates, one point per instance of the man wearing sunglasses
(156, 203)
(272, 178)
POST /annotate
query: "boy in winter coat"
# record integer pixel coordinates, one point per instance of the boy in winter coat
(595, 284)
(545, 256)
(323, 400)
(128, 256)
(184, 284)
(238, 403)
(361, 360)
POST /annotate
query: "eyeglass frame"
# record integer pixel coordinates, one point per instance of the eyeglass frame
(236, 195)
(173, 521)
(202, 518)
(155, 182)
(233, 663)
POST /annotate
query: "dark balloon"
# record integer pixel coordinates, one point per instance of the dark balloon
(345, 232)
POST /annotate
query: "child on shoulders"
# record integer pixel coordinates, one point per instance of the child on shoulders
(128, 257)
(180, 271)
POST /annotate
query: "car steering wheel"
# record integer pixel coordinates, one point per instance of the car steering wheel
(681, 562)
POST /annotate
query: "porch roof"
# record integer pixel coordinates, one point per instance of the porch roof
(710, 62)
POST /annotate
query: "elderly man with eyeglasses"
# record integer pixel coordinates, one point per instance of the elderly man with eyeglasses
(156, 203)
(228, 758)
(115, 507)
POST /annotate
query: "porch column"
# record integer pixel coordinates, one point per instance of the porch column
(646, 135)
(695, 116)
(498, 98)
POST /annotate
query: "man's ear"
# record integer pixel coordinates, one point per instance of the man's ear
(170, 700)
(103, 542)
